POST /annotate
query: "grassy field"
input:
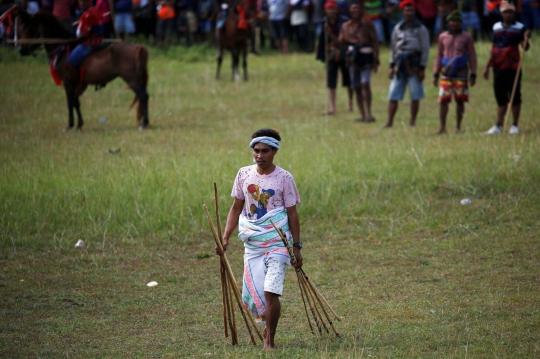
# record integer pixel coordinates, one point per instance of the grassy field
(412, 271)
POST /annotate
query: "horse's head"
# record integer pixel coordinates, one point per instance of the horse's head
(39, 26)
(31, 31)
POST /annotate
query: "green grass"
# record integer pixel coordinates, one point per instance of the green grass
(413, 272)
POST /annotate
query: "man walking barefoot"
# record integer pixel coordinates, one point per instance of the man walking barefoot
(455, 56)
(264, 192)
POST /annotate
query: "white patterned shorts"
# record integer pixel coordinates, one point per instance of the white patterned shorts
(275, 276)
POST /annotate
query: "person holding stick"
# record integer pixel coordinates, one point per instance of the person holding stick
(264, 193)
(505, 58)
(455, 56)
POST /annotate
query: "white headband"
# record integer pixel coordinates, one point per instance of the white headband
(270, 141)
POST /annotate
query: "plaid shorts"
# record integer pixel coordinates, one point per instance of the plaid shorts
(459, 88)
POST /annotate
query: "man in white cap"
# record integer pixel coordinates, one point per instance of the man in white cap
(508, 34)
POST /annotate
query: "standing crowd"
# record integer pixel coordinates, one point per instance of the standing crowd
(280, 21)
(350, 46)
(349, 34)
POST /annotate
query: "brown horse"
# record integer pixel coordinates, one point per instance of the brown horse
(231, 38)
(120, 59)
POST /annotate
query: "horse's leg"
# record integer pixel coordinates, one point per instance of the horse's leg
(219, 60)
(244, 63)
(142, 109)
(70, 104)
(77, 105)
(235, 61)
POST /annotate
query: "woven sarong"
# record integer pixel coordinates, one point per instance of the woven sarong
(261, 242)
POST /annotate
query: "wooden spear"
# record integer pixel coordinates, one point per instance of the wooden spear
(234, 286)
(47, 41)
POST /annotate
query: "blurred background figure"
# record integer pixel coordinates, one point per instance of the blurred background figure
(444, 8)
(530, 14)
(144, 15)
(279, 26)
(393, 15)
(332, 53)
(185, 16)
(123, 18)
(62, 11)
(205, 16)
(373, 11)
(426, 11)
(300, 23)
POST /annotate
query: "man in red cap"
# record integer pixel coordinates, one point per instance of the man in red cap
(331, 52)
(408, 60)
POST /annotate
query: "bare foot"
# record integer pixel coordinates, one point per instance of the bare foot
(267, 346)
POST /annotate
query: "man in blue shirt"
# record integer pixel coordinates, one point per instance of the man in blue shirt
(278, 10)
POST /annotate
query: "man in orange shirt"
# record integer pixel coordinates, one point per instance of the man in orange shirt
(166, 16)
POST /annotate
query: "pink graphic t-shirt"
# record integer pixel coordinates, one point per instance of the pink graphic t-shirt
(264, 193)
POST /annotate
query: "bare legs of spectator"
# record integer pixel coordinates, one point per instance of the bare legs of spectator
(283, 45)
(360, 104)
(415, 106)
(392, 109)
(443, 112)
(366, 94)
(332, 105)
(460, 111)
(332, 98)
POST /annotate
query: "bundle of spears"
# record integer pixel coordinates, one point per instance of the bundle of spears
(310, 293)
(230, 292)
(229, 287)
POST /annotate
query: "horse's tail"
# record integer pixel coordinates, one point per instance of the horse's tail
(142, 72)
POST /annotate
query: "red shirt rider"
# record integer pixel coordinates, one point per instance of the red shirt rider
(91, 26)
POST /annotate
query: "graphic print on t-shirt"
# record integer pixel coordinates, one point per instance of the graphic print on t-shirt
(261, 196)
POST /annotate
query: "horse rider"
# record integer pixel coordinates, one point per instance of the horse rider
(246, 10)
(90, 31)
